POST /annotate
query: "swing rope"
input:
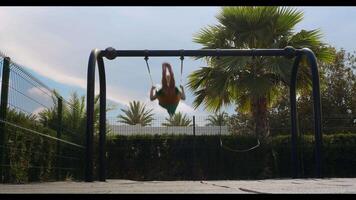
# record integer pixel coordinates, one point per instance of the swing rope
(148, 68)
(181, 66)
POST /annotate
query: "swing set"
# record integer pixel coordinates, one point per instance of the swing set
(96, 57)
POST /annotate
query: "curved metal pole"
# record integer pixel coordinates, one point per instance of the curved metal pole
(316, 107)
(317, 110)
(293, 110)
(90, 115)
(102, 122)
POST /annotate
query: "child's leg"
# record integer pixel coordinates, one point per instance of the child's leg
(172, 81)
(164, 71)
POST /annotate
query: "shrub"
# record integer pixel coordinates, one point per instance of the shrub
(184, 157)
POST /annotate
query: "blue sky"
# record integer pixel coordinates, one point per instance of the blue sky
(54, 43)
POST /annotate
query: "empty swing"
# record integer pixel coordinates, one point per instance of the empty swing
(169, 95)
(239, 150)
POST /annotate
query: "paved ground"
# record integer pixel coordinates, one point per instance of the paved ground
(334, 185)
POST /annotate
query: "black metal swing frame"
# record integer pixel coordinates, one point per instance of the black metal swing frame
(96, 57)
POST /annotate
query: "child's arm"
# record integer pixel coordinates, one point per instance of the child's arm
(153, 97)
(182, 93)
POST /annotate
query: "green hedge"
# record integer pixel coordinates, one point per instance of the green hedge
(181, 157)
(32, 158)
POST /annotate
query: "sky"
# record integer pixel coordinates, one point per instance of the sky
(54, 43)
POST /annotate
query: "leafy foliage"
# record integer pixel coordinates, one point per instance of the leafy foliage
(218, 119)
(73, 116)
(252, 84)
(30, 157)
(178, 119)
(162, 157)
(136, 113)
(338, 92)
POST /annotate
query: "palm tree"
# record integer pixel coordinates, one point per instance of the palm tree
(252, 84)
(48, 116)
(73, 115)
(218, 119)
(137, 113)
(23, 119)
(178, 119)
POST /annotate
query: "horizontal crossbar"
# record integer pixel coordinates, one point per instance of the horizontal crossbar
(111, 53)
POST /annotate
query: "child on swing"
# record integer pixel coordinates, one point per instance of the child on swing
(169, 95)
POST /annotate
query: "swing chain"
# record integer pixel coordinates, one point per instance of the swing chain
(146, 55)
(181, 65)
(148, 67)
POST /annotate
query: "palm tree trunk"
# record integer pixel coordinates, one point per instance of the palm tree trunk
(259, 113)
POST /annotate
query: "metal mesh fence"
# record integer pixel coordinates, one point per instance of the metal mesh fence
(209, 125)
(37, 141)
(186, 125)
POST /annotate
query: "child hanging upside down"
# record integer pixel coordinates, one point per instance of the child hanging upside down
(169, 95)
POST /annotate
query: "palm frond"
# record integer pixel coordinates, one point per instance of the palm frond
(136, 113)
(231, 80)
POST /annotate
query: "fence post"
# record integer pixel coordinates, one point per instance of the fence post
(3, 112)
(194, 152)
(218, 167)
(59, 135)
(194, 126)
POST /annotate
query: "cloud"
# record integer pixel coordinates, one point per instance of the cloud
(134, 12)
(55, 42)
(40, 91)
(183, 107)
(57, 72)
(38, 110)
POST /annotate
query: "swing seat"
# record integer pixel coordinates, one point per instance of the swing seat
(169, 102)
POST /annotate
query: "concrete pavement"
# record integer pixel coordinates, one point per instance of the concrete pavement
(333, 185)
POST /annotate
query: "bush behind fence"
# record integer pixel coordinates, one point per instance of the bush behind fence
(185, 157)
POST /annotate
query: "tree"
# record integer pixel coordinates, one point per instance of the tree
(73, 116)
(252, 84)
(136, 113)
(48, 116)
(338, 100)
(178, 119)
(338, 96)
(241, 124)
(218, 119)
